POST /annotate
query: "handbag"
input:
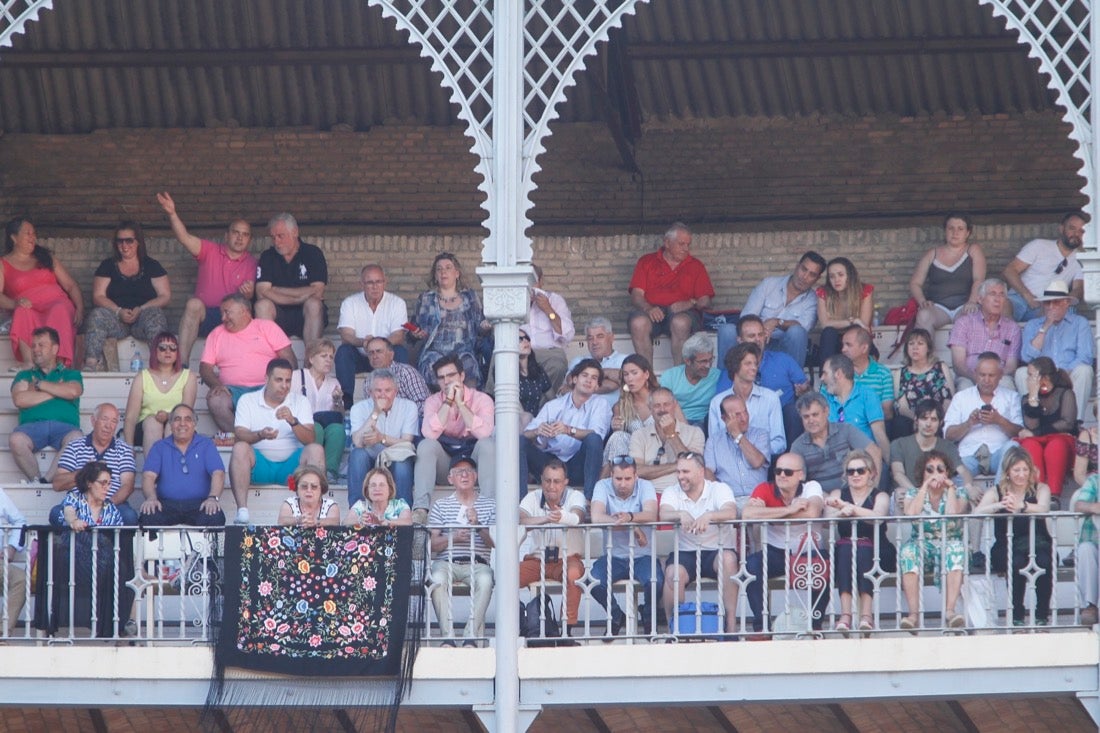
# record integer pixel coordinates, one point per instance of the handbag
(808, 568)
(328, 417)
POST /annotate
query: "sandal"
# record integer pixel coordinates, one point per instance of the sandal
(909, 623)
(866, 625)
(957, 621)
(844, 624)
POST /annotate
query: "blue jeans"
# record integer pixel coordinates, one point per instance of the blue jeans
(350, 361)
(360, 461)
(794, 341)
(583, 469)
(620, 570)
(995, 460)
(1020, 309)
(777, 567)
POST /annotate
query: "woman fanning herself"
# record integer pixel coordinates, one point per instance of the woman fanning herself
(38, 290)
(843, 301)
(1050, 417)
(1018, 494)
(156, 390)
(947, 278)
(380, 504)
(311, 506)
(859, 499)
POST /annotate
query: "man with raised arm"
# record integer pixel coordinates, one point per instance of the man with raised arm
(222, 269)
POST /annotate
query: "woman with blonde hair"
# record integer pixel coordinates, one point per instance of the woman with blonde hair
(317, 383)
(1020, 493)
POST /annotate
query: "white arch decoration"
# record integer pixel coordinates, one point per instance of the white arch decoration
(14, 15)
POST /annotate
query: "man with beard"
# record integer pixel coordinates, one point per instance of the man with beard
(1043, 260)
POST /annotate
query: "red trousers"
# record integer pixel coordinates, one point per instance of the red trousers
(1053, 455)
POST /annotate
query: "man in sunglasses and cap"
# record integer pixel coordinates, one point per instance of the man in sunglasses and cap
(1065, 337)
(624, 501)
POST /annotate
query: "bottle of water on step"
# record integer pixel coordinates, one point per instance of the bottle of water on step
(135, 361)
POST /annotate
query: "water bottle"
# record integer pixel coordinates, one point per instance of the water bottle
(876, 320)
(135, 361)
(347, 427)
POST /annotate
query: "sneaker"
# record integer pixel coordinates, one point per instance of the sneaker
(420, 516)
(1090, 615)
(242, 516)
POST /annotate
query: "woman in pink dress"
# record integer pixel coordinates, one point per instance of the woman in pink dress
(39, 291)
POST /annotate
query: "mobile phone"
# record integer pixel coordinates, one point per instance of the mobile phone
(987, 408)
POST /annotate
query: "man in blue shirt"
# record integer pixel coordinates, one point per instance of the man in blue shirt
(765, 412)
(852, 404)
(738, 456)
(1066, 338)
(572, 428)
(183, 477)
(787, 305)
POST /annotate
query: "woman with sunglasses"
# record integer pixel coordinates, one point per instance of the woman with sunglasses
(38, 290)
(156, 390)
(934, 538)
(859, 499)
(1018, 494)
(130, 291)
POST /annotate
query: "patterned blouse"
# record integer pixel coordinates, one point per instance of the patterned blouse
(931, 385)
(296, 506)
(935, 529)
(394, 509)
(1089, 451)
(109, 515)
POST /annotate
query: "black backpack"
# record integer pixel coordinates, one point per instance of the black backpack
(531, 623)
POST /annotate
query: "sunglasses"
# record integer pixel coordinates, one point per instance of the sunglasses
(125, 240)
(167, 347)
(856, 470)
(524, 337)
(786, 471)
(935, 469)
(622, 461)
(686, 454)
(183, 465)
(1061, 266)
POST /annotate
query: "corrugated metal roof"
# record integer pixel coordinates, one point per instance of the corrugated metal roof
(325, 63)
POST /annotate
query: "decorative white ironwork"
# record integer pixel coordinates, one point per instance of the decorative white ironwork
(1058, 35)
(458, 37)
(14, 14)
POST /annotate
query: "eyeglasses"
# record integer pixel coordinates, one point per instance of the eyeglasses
(856, 470)
(622, 461)
(462, 472)
(524, 337)
(167, 347)
(660, 455)
(1061, 266)
(125, 240)
(183, 464)
(840, 414)
(786, 471)
(935, 469)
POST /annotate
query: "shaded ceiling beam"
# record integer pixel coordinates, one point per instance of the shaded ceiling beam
(346, 56)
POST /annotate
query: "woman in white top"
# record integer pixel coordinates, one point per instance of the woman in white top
(311, 506)
(318, 384)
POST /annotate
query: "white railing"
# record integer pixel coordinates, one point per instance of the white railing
(164, 585)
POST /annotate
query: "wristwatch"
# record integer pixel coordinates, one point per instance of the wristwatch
(573, 432)
(552, 316)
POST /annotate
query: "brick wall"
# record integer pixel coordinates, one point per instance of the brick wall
(758, 192)
(754, 173)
